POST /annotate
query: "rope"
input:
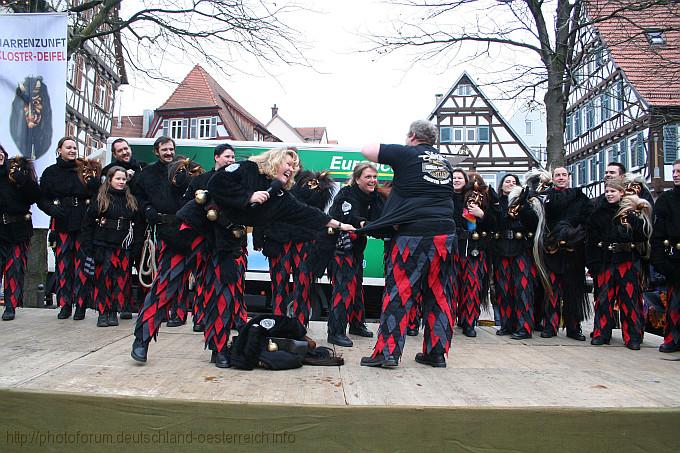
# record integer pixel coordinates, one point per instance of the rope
(147, 266)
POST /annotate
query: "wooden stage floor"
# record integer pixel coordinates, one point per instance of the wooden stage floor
(47, 357)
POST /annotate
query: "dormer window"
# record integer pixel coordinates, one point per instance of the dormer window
(655, 37)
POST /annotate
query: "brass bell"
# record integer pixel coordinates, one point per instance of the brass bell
(666, 243)
(238, 233)
(330, 231)
(632, 246)
(562, 243)
(677, 246)
(271, 346)
(483, 234)
(518, 235)
(56, 202)
(212, 214)
(201, 196)
(530, 234)
(27, 216)
(475, 237)
(600, 244)
(87, 201)
(497, 235)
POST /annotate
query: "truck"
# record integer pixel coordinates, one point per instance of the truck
(338, 160)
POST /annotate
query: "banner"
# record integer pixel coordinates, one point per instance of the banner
(33, 53)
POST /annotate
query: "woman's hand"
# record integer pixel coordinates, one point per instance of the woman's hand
(476, 210)
(347, 227)
(259, 197)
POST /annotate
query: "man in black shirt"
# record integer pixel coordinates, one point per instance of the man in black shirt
(419, 218)
(122, 157)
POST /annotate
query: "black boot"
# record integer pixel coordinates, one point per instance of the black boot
(340, 340)
(222, 359)
(576, 334)
(174, 320)
(469, 331)
(113, 318)
(102, 320)
(521, 335)
(433, 359)
(599, 340)
(79, 314)
(412, 332)
(139, 350)
(380, 361)
(126, 312)
(65, 312)
(503, 332)
(198, 327)
(360, 330)
(8, 315)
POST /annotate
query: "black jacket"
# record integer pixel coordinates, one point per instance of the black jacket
(135, 165)
(603, 229)
(230, 191)
(505, 240)
(157, 197)
(64, 197)
(665, 241)
(112, 228)
(352, 205)
(466, 240)
(15, 204)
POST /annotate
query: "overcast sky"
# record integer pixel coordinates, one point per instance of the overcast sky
(359, 97)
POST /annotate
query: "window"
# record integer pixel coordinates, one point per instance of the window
(637, 150)
(445, 134)
(593, 169)
(464, 90)
(458, 135)
(599, 57)
(483, 134)
(70, 129)
(577, 123)
(601, 165)
(655, 37)
(205, 127)
(528, 127)
(590, 116)
(76, 70)
(100, 92)
(605, 112)
(176, 128)
(470, 135)
(567, 128)
(597, 111)
(670, 143)
(582, 173)
(620, 96)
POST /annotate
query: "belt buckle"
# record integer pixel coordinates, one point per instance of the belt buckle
(118, 225)
(4, 219)
(75, 202)
(509, 235)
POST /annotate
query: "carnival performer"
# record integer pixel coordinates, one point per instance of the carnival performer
(66, 190)
(418, 216)
(111, 234)
(122, 157)
(356, 204)
(514, 267)
(254, 193)
(201, 248)
(288, 247)
(159, 189)
(666, 256)
(18, 191)
(474, 222)
(617, 237)
(564, 251)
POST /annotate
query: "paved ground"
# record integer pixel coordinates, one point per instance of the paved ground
(40, 352)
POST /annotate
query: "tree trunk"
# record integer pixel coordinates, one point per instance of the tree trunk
(555, 115)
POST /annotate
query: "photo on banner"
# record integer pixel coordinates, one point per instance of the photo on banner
(33, 58)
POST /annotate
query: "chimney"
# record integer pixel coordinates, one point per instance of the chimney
(275, 111)
(437, 98)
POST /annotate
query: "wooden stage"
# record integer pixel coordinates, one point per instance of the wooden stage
(72, 378)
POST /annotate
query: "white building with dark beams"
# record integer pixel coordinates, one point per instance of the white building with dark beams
(625, 102)
(470, 127)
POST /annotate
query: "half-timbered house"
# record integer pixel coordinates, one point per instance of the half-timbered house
(625, 102)
(472, 131)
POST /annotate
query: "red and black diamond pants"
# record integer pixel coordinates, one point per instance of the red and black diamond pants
(347, 299)
(184, 301)
(240, 308)
(164, 291)
(112, 280)
(71, 281)
(417, 264)
(13, 259)
(220, 289)
(672, 332)
(197, 262)
(551, 309)
(514, 283)
(469, 274)
(619, 285)
(292, 261)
